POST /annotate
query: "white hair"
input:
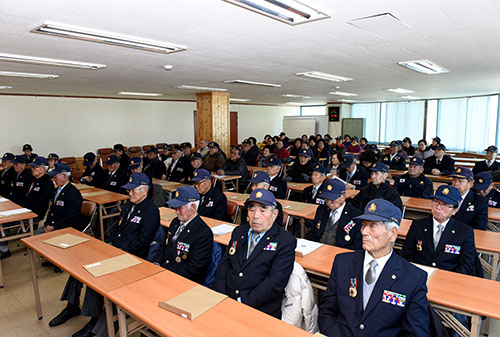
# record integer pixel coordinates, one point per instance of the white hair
(390, 225)
(195, 203)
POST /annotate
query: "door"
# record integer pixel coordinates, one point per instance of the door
(233, 128)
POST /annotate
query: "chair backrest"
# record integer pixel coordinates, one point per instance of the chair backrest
(105, 151)
(161, 146)
(71, 161)
(104, 158)
(134, 149)
(231, 210)
(214, 263)
(88, 211)
(147, 147)
(77, 174)
(135, 154)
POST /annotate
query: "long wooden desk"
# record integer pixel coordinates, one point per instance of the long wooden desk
(225, 179)
(168, 186)
(73, 258)
(296, 187)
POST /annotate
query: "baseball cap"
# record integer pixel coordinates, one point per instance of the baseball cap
(134, 163)
(417, 161)
(88, 158)
(379, 167)
(482, 181)
(201, 174)
(260, 177)
(59, 168)
(262, 196)
(39, 161)
(492, 148)
(333, 189)
(463, 173)
(274, 161)
(183, 195)
(135, 180)
(380, 210)
(305, 153)
(112, 159)
(448, 194)
(347, 160)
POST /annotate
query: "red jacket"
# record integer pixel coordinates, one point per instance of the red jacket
(282, 154)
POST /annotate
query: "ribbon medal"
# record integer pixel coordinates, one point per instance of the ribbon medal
(184, 248)
(347, 228)
(452, 249)
(492, 203)
(232, 250)
(470, 208)
(272, 246)
(394, 298)
(113, 183)
(36, 189)
(320, 201)
(419, 245)
(210, 203)
(59, 203)
(272, 188)
(353, 292)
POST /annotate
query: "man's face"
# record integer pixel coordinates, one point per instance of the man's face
(266, 152)
(421, 146)
(463, 185)
(7, 163)
(317, 178)
(196, 163)
(151, 155)
(27, 152)
(336, 203)
(185, 212)
(415, 170)
(137, 170)
(486, 191)
(51, 162)
(118, 152)
(304, 159)
(138, 194)
(273, 170)
(279, 145)
(245, 147)
(187, 151)
(235, 155)
(61, 179)
(378, 177)
(213, 150)
(434, 143)
(175, 154)
(438, 153)
(94, 163)
(442, 211)
(490, 155)
(376, 238)
(38, 171)
(393, 149)
(203, 186)
(351, 168)
(113, 167)
(260, 185)
(335, 159)
(203, 144)
(261, 217)
(18, 167)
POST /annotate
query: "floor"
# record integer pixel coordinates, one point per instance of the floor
(17, 306)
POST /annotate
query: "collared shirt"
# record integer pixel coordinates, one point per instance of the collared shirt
(182, 226)
(259, 236)
(59, 189)
(271, 178)
(462, 200)
(381, 261)
(391, 156)
(351, 174)
(435, 226)
(315, 190)
(339, 212)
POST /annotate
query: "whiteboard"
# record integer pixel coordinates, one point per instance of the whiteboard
(295, 127)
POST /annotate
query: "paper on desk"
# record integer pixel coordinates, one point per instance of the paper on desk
(93, 194)
(335, 177)
(65, 240)
(111, 265)
(405, 199)
(15, 211)
(429, 270)
(296, 206)
(193, 302)
(222, 229)
(219, 176)
(305, 247)
(168, 217)
(3, 199)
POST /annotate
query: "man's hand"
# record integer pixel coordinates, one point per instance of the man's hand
(49, 229)
(436, 172)
(220, 172)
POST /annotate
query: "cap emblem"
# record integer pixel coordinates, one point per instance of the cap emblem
(480, 180)
(258, 194)
(446, 191)
(372, 207)
(329, 187)
(177, 194)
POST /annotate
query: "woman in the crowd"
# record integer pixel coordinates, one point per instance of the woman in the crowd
(354, 147)
(423, 150)
(410, 150)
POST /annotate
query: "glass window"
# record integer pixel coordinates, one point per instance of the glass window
(371, 114)
(452, 120)
(404, 119)
(313, 110)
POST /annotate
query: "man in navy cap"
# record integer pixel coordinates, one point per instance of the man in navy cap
(312, 194)
(277, 185)
(356, 176)
(259, 259)
(442, 241)
(490, 163)
(302, 167)
(249, 155)
(28, 153)
(180, 168)
(483, 184)
(7, 175)
(378, 188)
(119, 151)
(439, 164)
(22, 181)
(115, 178)
(41, 189)
(213, 203)
(53, 159)
(374, 291)
(153, 166)
(435, 142)
(94, 174)
(414, 183)
(236, 166)
(333, 223)
(196, 162)
(215, 159)
(187, 250)
(472, 208)
(393, 159)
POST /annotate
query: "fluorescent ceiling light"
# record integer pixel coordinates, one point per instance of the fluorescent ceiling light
(292, 12)
(424, 66)
(347, 100)
(28, 75)
(324, 76)
(341, 93)
(2, 87)
(86, 34)
(49, 62)
(409, 97)
(260, 84)
(294, 103)
(239, 99)
(194, 87)
(129, 93)
(168, 67)
(295, 96)
(400, 91)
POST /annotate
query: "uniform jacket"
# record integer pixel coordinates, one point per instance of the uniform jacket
(279, 187)
(20, 186)
(98, 174)
(446, 166)
(307, 195)
(214, 204)
(456, 250)
(473, 211)
(136, 231)
(190, 255)
(237, 168)
(39, 195)
(359, 179)
(493, 198)
(155, 168)
(114, 182)
(65, 210)
(343, 232)
(301, 173)
(250, 156)
(343, 315)
(124, 162)
(370, 192)
(261, 279)
(6, 178)
(419, 187)
(482, 167)
(279, 218)
(213, 162)
(397, 163)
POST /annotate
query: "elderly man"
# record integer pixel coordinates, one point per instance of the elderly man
(22, 180)
(439, 164)
(115, 178)
(7, 175)
(393, 159)
(203, 150)
(414, 183)
(333, 223)
(119, 151)
(213, 203)
(28, 153)
(313, 194)
(259, 260)
(472, 208)
(378, 188)
(442, 241)
(301, 170)
(236, 166)
(356, 176)
(94, 174)
(215, 159)
(483, 184)
(374, 291)
(41, 190)
(490, 163)
(154, 167)
(278, 185)
(187, 250)
(180, 167)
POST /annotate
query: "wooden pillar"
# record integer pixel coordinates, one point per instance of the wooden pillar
(212, 113)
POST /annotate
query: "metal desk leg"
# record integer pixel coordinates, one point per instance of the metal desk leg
(122, 322)
(109, 317)
(236, 213)
(101, 221)
(34, 278)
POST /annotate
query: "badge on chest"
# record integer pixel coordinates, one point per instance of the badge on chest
(451, 249)
(59, 203)
(136, 219)
(272, 246)
(394, 298)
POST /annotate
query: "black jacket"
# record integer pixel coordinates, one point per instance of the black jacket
(493, 198)
(446, 166)
(154, 168)
(251, 155)
(279, 187)
(6, 178)
(370, 192)
(397, 163)
(473, 211)
(124, 162)
(114, 182)
(98, 175)
(307, 195)
(237, 168)
(180, 170)
(214, 204)
(65, 210)
(483, 167)
(301, 173)
(39, 195)
(419, 187)
(359, 179)
(20, 186)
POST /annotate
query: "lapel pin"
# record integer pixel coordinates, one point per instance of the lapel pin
(393, 277)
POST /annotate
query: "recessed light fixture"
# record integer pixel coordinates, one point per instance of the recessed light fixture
(259, 84)
(424, 66)
(295, 96)
(194, 87)
(239, 99)
(168, 67)
(130, 93)
(294, 103)
(28, 75)
(341, 93)
(400, 91)
(49, 62)
(409, 97)
(292, 12)
(86, 34)
(3, 87)
(324, 76)
(347, 100)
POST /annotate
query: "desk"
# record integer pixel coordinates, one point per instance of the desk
(296, 187)
(256, 168)
(228, 318)
(225, 179)
(8, 206)
(168, 186)
(72, 259)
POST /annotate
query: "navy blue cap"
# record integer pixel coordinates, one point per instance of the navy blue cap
(183, 195)
(214, 144)
(112, 159)
(379, 167)
(463, 173)
(260, 177)
(201, 174)
(437, 139)
(135, 180)
(134, 163)
(320, 169)
(448, 194)
(381, 210)
(417, 161)
(53, 156)
(333, 189)
(347, 160)
(305, 152)
(8, 156)
(59, 168)
(274, 161)
(492, 148)
(174, 147)
(88, 158)
(152, 149)
(482, 181)
(246, 142)
(118, 147)
(21, 159)
(394, 143)
(372, 147)
(441, 147)
(262, 196)
(27, 147)
(39, 161)
(196, 155)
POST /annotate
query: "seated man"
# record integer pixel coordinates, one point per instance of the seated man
(196, 162)
(441, 241)
(180, 168)
(312, 194)
(94, 174)
(22, 180)
(249, 155)
(119, 151)
(378, 188)
(333, 223)
(393, 159)
(414, 183)
(154, 167)
(42, 190)
(187, 250)
(213, 203)
(278, 185)
(215, 159)
(473, 208)
(302, 167)
(356, 176)
(236, 166)
(53, 159)
(115, 178)
(28, 153)
(259, 260)
(374, 291)
(439, 164)
(490, 163)
(483, 184)
(7, 175)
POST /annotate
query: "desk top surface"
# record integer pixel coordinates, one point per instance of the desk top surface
(10, 206)
(104, 198)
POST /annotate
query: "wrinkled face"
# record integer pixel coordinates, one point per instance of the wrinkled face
(463, 185)
(273, 170)
(335, 159)
(442, 211)
(113, 167)
(203, 144)
(185, 212)
(61, 179)
(336, 203)
(304, 159)
(438, 153)
(317, 178)
(376, 237)
(351, 168)
(421, 146)
(490, 155)
(196, 163)
(378, 177)
(138, 194)
(18, 167)
(261, 217)
(235, 155)
(415, 170)
(203, 186)
(38, 171)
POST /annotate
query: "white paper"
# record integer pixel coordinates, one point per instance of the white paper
(222, 229)
(219, 176)
(64, 245)
(93, 265)
(15, 211)
(429, 270)
(335, 177)
(3, 199)
(306, 246)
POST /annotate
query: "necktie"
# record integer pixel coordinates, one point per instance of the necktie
(315, 190)
(58, 192)
(438, 162)
(488, 163)
(130, 212)
(179, 231)
(371, 274)
(437, 237)
(254, 239)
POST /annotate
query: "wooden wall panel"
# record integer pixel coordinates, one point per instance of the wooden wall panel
(213, 118)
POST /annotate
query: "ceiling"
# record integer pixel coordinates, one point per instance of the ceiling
(226, 42)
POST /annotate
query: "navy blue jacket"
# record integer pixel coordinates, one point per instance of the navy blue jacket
(98, 174)
(473, 211)
(343, 315)
(190, 255)
(307, 195)
(115, 181)
(493, 198)
(359, 179)
(39, 196)
(260, 281)
(419, 246)
(214, 204)
(279, 187)
(482, 167)
(65, 211)
(6, 178)
(384, 191)
(446, 166)
(419, 187)
(20, 186)
(181, 170)
(134, 233)
(397, 163)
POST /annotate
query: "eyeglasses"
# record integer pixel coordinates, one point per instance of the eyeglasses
(441, 204)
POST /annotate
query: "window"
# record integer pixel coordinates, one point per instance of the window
(313, 110)
(371, 114)
(403, 119)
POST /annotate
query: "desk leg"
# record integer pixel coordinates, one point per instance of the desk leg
(236, 214)
(1, 275)
(122, 322)
(288, 195)
(475, 325)
(494, 266)
(34, 278)
(109, 317)
(32, 230)
(101, 221)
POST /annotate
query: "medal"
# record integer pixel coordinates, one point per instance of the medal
(232, 250)
(184, 256)
(347, 228)
(318, 225)
(178, 259)
(419, 245)
(353, 292)
(347, 237)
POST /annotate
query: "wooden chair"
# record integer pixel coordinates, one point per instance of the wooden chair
(77, 174)
(88, 211)
(161, 146)
(133, 150)
(105, 151)
(71, 161)
(103, 159)
(146, 148)
(232, 208)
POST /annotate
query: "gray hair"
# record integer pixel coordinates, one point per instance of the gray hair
(195, 203)
(390, 225)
